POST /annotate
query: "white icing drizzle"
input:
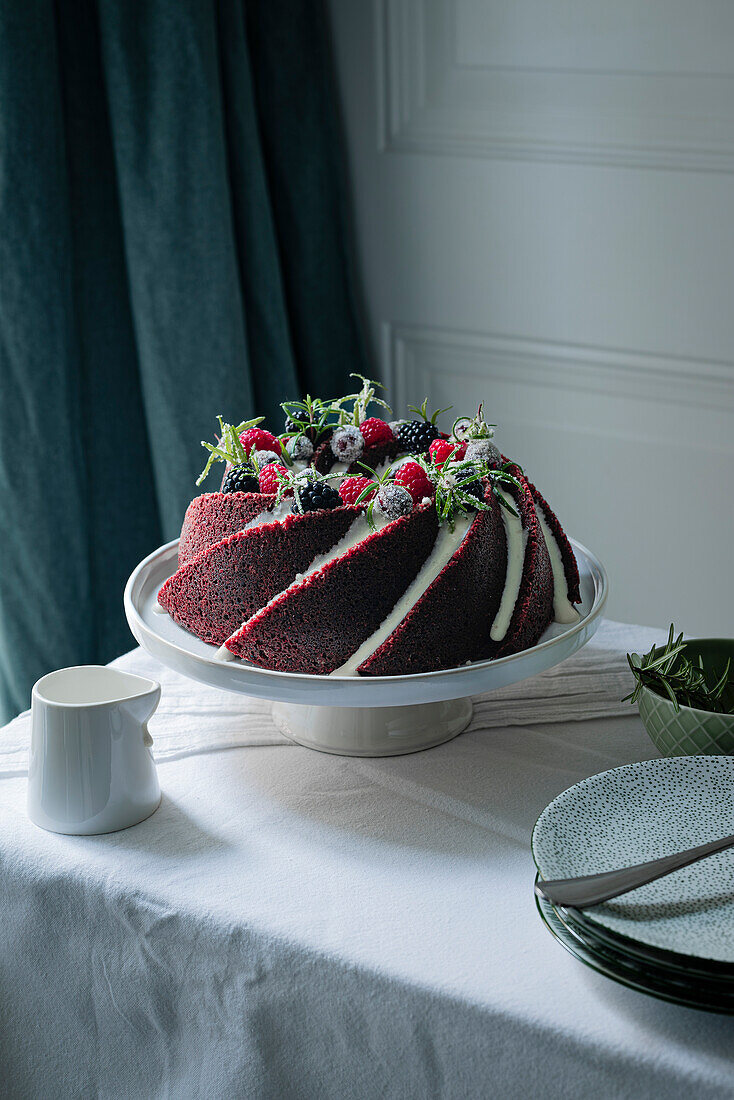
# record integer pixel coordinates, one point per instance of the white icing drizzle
(563, 609)
(338, 472)
(446, 544)
(340, 467)
(517, 538)
(224, 654)
(358, 531)
(270, 515)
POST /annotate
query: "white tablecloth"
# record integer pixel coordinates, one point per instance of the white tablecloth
(290, 924)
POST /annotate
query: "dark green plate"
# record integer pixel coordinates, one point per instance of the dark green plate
(668, 960)
(691, 990)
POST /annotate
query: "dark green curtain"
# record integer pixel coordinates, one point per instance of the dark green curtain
(172, 246)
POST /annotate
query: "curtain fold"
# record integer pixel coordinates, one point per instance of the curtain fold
(172, 246)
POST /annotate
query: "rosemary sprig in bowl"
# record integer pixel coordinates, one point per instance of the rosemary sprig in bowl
(668, 672)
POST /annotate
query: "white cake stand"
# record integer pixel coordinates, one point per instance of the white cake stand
(356, 715)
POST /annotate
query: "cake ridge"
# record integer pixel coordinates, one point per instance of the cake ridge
(212, 594)
(534, 603)
(473, 579)
(211, 517)
(268, 637)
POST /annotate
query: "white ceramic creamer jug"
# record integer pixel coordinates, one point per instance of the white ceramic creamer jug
(91, 769)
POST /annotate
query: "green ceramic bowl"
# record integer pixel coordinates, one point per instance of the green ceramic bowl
(691, 732)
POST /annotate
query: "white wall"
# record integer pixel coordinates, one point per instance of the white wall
(545, 219)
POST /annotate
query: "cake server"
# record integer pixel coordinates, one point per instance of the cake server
(587, 890)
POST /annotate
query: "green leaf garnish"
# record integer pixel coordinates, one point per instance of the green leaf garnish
(361, 401)
(467, 428)
(311, 413)
(228, 447)
(450, 480)
(422, 411)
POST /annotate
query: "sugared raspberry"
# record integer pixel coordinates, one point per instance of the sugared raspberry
(269, 482)
(259, 440)
(376, 431)
(440, 450)
(351, 487)
(413, 477)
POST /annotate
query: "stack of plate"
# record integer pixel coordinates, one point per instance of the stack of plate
(673, 938)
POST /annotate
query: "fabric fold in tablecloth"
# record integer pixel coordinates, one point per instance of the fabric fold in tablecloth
(193, 718)
(291, 924)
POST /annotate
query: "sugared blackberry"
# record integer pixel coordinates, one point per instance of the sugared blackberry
(300, 447)
(474, 488)
(416, 436)
(395, 501)
(315, 495)
(261, 459)
(240, 479)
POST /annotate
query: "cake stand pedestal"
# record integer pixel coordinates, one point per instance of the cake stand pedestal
(373, 731)
(356, 715)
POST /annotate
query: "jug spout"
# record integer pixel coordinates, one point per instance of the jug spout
(142, 706)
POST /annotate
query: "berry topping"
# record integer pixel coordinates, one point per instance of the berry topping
(269, 480)
(367, 396)
(307, 474)
(228, 447)
(312, 432)
(264, 458)
(474, 489)
(259, 440)
(395, 501)
(310, 417)
(240, 479)
(300, 448)
(313, 496)
(414, 478)
(416, 436)
(484, 450)
(443, 449)
(347, 443)
(351, 487)
(376, 431)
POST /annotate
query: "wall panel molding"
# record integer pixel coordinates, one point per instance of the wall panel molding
(432, 101)
(416, 354)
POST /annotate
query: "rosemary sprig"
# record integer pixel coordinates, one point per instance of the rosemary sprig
(228, 447)
(362, 401)
(466, 428)
(666, 671)
(310, 416)
(371, 490)
(422, 411)
(450, 479)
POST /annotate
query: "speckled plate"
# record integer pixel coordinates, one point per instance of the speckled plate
(640, 812)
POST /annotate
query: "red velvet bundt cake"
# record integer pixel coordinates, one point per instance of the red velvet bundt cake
(353, 546)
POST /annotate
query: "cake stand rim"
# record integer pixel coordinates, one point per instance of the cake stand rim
(362, 691)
